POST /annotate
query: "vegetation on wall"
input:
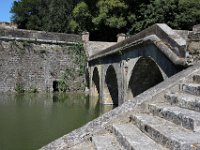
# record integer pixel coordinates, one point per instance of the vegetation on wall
(19, 88)
(70, 74)
(104, 19)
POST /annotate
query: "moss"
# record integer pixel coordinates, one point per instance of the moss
(19, 88)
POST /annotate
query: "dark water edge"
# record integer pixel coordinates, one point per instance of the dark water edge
(30, 121)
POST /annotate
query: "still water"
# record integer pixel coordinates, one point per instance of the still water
(29, 121)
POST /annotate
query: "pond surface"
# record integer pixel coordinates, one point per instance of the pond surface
(30, 121)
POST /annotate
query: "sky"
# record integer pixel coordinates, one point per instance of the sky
(5, 6)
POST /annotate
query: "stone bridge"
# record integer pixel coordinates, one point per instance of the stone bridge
(166, 116)
(128, 68)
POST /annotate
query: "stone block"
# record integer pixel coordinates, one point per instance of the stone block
(105, 142)
(184, 100)
(191, 88)
(166, 133)
(183, 117)
(132, 138)
(196, 28)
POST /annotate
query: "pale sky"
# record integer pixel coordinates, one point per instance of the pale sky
(5, 6)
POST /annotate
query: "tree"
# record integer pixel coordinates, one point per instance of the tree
(104, 19)
(26, 14)
(189, 14)
(48, 15)
(82, 18)
(178, 14)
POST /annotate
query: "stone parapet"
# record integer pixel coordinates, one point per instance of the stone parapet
(196, 28)
(31, 34)
(194, 43)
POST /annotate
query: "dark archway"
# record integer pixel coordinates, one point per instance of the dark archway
(111, 83)
(145, 75)
(95, 83)
(55, 86)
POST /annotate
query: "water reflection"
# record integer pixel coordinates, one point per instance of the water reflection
(30, 121)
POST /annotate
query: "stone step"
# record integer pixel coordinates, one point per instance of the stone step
(82, 146)
(105, 142)
(167, 133)
(191, 88)
(196, 78)
(184, 100)
(186, 118)
(132, 138)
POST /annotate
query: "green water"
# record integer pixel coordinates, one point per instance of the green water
(29, 121)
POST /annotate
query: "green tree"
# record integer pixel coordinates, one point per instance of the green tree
(189, 14)
(82, 18)
(178, 14)
(111, 13)
(104, 19)
(48, 15)
(59, 15)
(26, 14)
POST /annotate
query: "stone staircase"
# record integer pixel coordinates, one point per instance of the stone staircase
(171, 124)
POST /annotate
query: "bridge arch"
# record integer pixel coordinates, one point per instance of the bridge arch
(144, 75)
(111, 86)
(95, 89)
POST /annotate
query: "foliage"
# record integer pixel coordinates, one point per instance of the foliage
(19, 88)
(71, 74)
(81, 18)
(179, 14)
(104, 19)
(110, 13)
(78, 53)
(33, 90)
(62, 86)
(47, 15)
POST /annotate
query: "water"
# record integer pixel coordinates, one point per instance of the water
(30, 121)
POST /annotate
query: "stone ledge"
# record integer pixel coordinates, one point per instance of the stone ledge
(20, 33)
(33, 40)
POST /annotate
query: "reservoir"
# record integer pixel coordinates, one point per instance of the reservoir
(30, 121)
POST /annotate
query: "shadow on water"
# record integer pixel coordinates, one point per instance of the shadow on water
(29, 121)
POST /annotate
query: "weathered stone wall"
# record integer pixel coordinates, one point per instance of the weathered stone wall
(194, 43)
(94, 47)
(36, 66)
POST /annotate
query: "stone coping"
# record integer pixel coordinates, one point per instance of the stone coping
(33, 40)
(21, 33)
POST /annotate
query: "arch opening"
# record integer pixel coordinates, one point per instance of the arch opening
(55, 86)
(111, 86)
(95, 83)
(145, 75)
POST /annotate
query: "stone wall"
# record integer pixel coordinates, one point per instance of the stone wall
(8, 25)
(36, 66)
(194, 43)
(94, 47)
